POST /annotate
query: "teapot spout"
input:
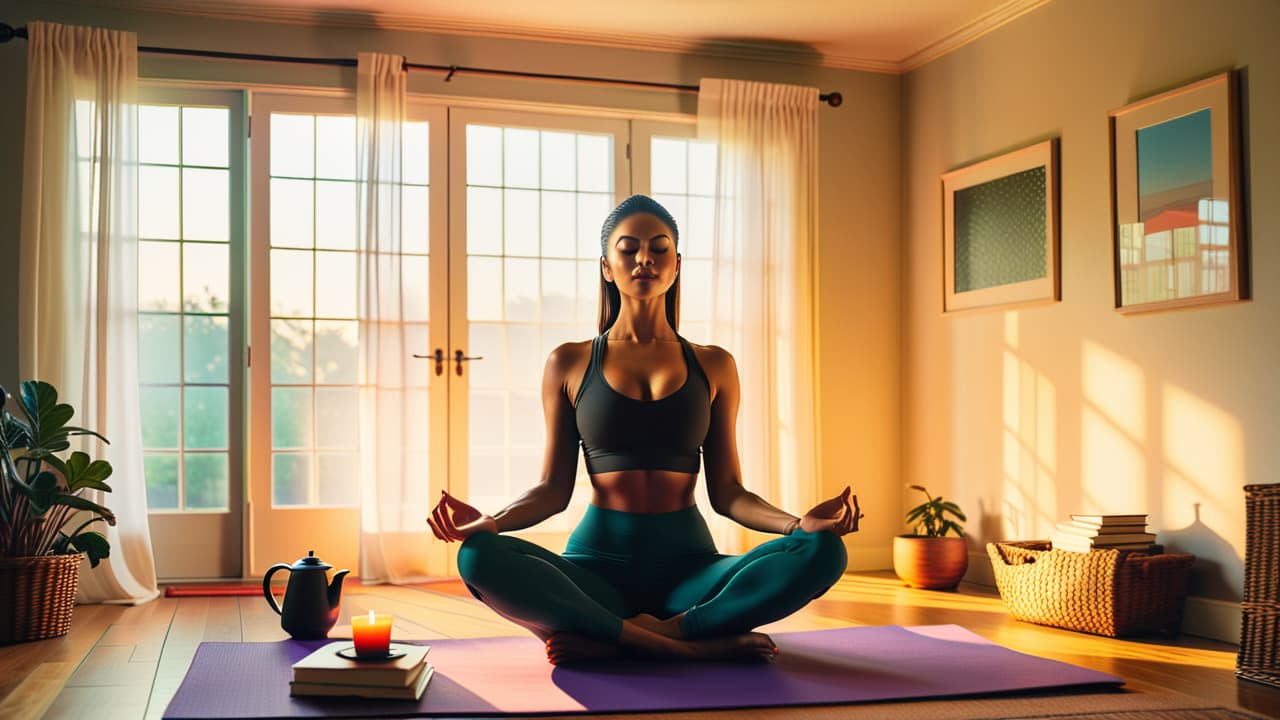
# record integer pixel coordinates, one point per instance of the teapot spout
(335, 588)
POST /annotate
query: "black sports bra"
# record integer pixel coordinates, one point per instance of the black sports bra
(622, 433)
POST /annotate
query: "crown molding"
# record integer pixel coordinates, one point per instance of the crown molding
(761, 52)
(972, 31)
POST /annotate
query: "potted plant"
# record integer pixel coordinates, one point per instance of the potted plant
(44, 517)
(927, 558)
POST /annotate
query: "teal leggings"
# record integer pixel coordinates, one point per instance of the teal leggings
(619, 564)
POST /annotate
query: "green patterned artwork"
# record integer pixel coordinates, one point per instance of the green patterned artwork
(1001, 231)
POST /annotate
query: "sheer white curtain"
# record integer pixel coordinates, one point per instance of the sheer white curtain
(392, 465)
(78, 272)
(763, 281)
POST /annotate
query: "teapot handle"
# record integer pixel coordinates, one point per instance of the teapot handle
(266, 585)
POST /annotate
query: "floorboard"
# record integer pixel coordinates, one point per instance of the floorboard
(127, 662)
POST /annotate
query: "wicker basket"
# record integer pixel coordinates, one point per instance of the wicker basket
(1105, 592)
(37, 595)
(1260, 611)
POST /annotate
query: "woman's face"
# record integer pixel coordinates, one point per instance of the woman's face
(641, 257)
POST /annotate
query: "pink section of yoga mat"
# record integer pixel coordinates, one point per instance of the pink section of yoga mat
(495, 676)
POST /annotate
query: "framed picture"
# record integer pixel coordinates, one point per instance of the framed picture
(1175, 198)
(1000, 230)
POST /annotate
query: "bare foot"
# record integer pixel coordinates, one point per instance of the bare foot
(671, 627)
(747, 646)
(566, 648)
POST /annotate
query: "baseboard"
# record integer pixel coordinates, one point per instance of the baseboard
(1213, 619)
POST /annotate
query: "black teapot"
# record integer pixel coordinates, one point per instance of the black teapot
(310, 599)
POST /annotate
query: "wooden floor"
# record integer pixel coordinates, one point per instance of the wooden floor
(127, 662)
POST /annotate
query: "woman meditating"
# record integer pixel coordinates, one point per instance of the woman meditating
(640, 574)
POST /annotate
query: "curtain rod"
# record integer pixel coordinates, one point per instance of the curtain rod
(8, 32)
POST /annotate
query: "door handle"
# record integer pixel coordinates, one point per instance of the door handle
(438, 356)
(459, 358)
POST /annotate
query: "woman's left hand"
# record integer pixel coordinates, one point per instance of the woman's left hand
(838, 515)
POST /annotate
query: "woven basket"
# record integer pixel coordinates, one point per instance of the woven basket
(1260, 611)
(37, 595)
(1105, 592)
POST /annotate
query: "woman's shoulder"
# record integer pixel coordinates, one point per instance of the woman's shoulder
(714, 359)
(569, 355)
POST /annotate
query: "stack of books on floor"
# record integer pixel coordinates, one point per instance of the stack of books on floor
(1103, 532)
(326, 673)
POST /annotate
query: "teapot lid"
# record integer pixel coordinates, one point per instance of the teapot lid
(310, 562)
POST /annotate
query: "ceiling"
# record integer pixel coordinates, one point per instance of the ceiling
(876, 35)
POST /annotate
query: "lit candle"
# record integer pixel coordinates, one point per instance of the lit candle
(371, 634)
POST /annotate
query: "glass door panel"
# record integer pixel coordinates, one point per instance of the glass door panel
(190, 290)
(529, 193)
(305, 387)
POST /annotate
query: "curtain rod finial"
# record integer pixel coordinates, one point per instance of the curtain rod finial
(7, 32)
(834, 99)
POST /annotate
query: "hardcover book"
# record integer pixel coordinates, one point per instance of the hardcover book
(412, 691)
(325, 666)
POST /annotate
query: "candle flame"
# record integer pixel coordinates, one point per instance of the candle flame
(370, 617)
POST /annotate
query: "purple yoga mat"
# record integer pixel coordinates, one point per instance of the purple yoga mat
(496, 676)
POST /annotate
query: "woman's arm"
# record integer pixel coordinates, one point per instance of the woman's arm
(720, 453)
(560, 459)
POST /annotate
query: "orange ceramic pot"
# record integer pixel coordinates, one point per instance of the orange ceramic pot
(932, 563)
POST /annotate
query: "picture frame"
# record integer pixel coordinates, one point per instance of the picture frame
(1177, 231)
(1001, 230)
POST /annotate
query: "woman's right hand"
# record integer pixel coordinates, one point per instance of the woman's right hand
(453, 520)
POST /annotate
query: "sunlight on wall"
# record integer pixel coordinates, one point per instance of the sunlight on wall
(1112, 433)
(1029, 443)
(1204, 454)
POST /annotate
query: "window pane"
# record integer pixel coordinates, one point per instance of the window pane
(291, 417)
(484, 288)
(588, 291)
(524, 348)
(158, 216)
(414, 272)
(526, 427)
(484, 221)
(668, 163)
(205, 136)
(488, 418)
(336, 279)
(336, 357)
(206, 281)
(290, 351)
(161, 472)
(484, 155)
(415, 214)
(418, 340)
(415, 154)
(520, 289)
(702, 168)
(558, 161)
(205, 349)
(595, 164)
(158, 134)
(487, 474)
(558, 216)
(520, 223)
(336, 215)
(159, 407)
(158, 276)
(290, 479)
(559, 303)
(337, 480)
(336, 414)
(205, 418)
(292, 213)
(205, 476)
(291, 290)
(292, 145)
(159, 348)
(695, 290)
(695, 239)
(336, 147)
(486, 341)
(520, 157)
(593, 208)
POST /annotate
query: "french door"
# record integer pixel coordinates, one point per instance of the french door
(501, 218)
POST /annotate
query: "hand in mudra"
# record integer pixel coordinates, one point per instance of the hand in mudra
(453, 520)
(836, 515)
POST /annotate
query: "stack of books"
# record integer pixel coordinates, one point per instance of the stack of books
(327, 673)
(1103, 532)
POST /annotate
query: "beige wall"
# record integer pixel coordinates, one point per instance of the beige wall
(1026, 416)
(859, 223)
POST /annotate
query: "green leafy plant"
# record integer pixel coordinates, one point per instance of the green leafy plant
(930, 517)
(41, 491)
